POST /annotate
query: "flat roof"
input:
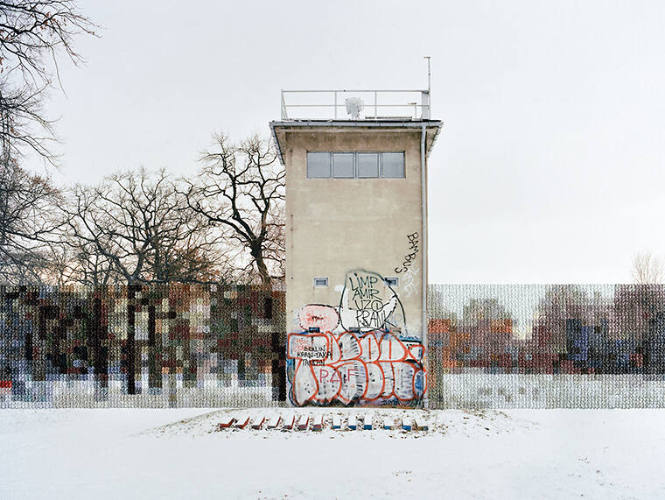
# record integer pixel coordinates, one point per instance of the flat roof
(367, 124)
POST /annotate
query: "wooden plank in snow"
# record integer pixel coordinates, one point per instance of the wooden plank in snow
(241, 423)
(274, 422)
(289, 421)
(226, 423)
(421, 424)
(258, 421)
(303, 421)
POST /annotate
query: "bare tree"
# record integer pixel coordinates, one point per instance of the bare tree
(647, 269)
(241, 190)
(560, 304)
(72, 261)
(32, 33)
(27, 224)
(137, 226)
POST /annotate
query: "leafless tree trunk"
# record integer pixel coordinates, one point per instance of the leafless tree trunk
(241, 190)
(27, 224)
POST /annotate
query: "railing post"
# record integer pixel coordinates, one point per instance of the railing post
(284, 114)
(425, 112)
(376, 107)
(335, 92)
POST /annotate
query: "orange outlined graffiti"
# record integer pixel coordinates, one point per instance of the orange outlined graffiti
(377, 367)
(372, 368)
(357, 353)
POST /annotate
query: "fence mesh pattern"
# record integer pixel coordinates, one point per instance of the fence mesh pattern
(142, 345)
(185, 345)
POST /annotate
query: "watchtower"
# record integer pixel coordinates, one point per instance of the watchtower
(356, 234)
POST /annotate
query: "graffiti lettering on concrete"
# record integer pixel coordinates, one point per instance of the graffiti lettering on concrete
(409, 258)
(358, 353)
(374, 368)
(368, 302)
(308, 347)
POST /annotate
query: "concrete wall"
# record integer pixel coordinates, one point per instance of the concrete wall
(335, 226)
(172, 345)
(546, 346)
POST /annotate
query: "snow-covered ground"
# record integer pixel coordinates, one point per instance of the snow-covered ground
(160, 453)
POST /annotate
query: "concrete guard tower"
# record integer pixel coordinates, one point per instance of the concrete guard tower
(356, 244)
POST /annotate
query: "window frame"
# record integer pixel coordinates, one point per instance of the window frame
(320, 281)
(356, 156)
(339, 154)
(402, 153)
(378, 164)
(329, 164)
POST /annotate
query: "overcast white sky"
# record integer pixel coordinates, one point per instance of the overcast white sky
(550, 166)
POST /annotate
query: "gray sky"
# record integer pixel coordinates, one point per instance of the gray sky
(550, 166)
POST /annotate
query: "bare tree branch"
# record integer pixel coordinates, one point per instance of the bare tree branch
(27, 223)
(240, 189)
(138, 227)
(32, 34)
(647, 269)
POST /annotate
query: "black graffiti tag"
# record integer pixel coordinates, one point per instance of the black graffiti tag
(367, 300)
(410, 257)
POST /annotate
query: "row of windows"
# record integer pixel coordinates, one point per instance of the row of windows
(355, 165)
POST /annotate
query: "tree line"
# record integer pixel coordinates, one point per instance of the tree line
(136, 226)
(223, 225)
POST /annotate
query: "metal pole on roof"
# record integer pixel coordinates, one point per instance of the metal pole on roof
(426, 113)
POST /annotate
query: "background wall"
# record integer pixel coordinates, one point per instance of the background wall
(158, 345)
(208, 345)
(546, 345)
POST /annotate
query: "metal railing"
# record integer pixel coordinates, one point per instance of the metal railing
(355, 104)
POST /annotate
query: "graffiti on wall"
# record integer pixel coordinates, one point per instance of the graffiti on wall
(357, 353)
(413, 241)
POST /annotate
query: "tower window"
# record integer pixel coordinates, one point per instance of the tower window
(320, 282)
(343, 165)
(318, 165)
(392, 165)
(355, 165)
(368, 165)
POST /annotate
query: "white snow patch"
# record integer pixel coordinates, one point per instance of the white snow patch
(178, 453)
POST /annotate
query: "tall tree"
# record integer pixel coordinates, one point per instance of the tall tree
(32, 34)
(27, 224)
(240, 189)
